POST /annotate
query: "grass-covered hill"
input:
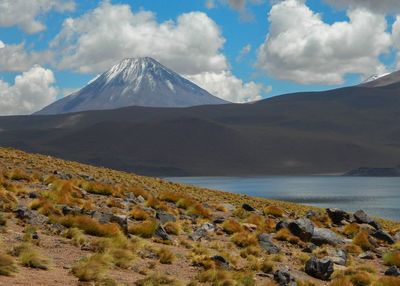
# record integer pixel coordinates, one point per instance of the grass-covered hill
(65, 223)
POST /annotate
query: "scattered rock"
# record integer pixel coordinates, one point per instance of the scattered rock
(339, 257)
(164, 217)
(110, 218)
(337, 215)
(219, 220)
(281, 224)
(303, 228)
(248, 208)
(367, 255)
(383, 235)
(362, 217)
(67, 210)
(30, 216)
(284, 278)
(325, 236)
(392, 271)
(266, 243)
(161, 233)
(309, 248)
(34, 195)
(397, 236)
(220, 261)
(202, 232)
(35, 236)
(319, 268)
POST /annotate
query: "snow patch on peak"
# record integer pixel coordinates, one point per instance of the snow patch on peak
(170, 85)
(375, 77)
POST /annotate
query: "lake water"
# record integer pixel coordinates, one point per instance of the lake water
(377, 196)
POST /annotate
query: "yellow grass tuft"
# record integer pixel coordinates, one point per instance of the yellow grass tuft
(144, 229)
(90, 226)
(361, 239)
(274, 211)
(392, 258)
(93, 267)
(7, 265)
(231, 226)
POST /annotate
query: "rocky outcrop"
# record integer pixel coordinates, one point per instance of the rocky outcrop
(319, 268)
(303, 228)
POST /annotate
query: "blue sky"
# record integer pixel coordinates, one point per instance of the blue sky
(240, 23)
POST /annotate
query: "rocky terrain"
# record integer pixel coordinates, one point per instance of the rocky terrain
(65, 223)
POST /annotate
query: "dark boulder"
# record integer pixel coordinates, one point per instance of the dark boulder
(309, 248)
(161, 233)
(362, 217)
(302, 228)
(319, 268)
(105, 218)
(393, 271)
(266, 243)
(281, 224)
(283, 278)
(220, 261)
(337, 215)
(248, 208)
(382, 235)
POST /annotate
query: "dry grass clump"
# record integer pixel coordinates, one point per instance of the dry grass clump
(352, 248)
(76, 235)
(274, 211)
(122, 258)
(145, 229)
(361, 239)
(65, 193)
(285, 235)
(113, 203)
(169, 197)
(138, 213)
(97, 188)
(351, 229)
(173, 227)
(388, 281)
(138, 191)
(267, 266)
(93, 267)
(231, 226)
(341, 281)
(244, 239)
(3, 220)
(157, 279)
(7, 200)
(30, 257)
(18, 175)
(7, 265)
(166, 256)
(90, 226)
(361, 279)
(44, 206)
(392, 258)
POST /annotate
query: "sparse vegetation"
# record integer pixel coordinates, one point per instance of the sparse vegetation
(89, 225)
(7, 265)
(145, 229)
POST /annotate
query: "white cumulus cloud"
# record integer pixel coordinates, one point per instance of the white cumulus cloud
(239, 5)
(15, 58)
(301, 47)
(226, 86)
(102, 37)
(31, 91)
(25, 13)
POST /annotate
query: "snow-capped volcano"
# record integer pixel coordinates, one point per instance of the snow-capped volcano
(134, 81)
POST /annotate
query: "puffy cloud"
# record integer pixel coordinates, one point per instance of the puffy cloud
(31, 91)
(300, 47)
(381, 6)
(226, 86)
(100, 38)
(396, 38)
(15, 58)
(24, 13)
(243, 52)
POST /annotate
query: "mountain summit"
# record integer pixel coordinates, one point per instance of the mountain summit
(134, 81)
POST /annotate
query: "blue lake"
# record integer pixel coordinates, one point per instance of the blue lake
(377, 196)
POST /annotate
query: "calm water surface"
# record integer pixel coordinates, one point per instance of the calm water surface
(377, 196)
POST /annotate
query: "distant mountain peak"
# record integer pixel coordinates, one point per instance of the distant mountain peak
(382, 80)
(134, 81)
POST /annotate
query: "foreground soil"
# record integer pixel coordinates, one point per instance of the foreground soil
(66, 223)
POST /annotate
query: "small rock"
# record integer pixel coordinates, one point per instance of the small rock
(164, 217)
(337, 215)
(32, 217)
(248, 208)
(393, 271)
(319, 268)
(382, 235)
(202, 232)
(35, 236)
(283, 278)
(33, 195)
(325, 236)
(219, 220)
(67, 210)
(339, 257)
(309, 248)
(311, 214)
(303, 228)
(368, 255)
(397, 236)
(220, 261)
(281, 224)
(161, 233)
(361, 217)
(105, 218)
(266, 243)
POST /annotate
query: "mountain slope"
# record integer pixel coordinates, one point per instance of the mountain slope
(303, 133)
(140, 82)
